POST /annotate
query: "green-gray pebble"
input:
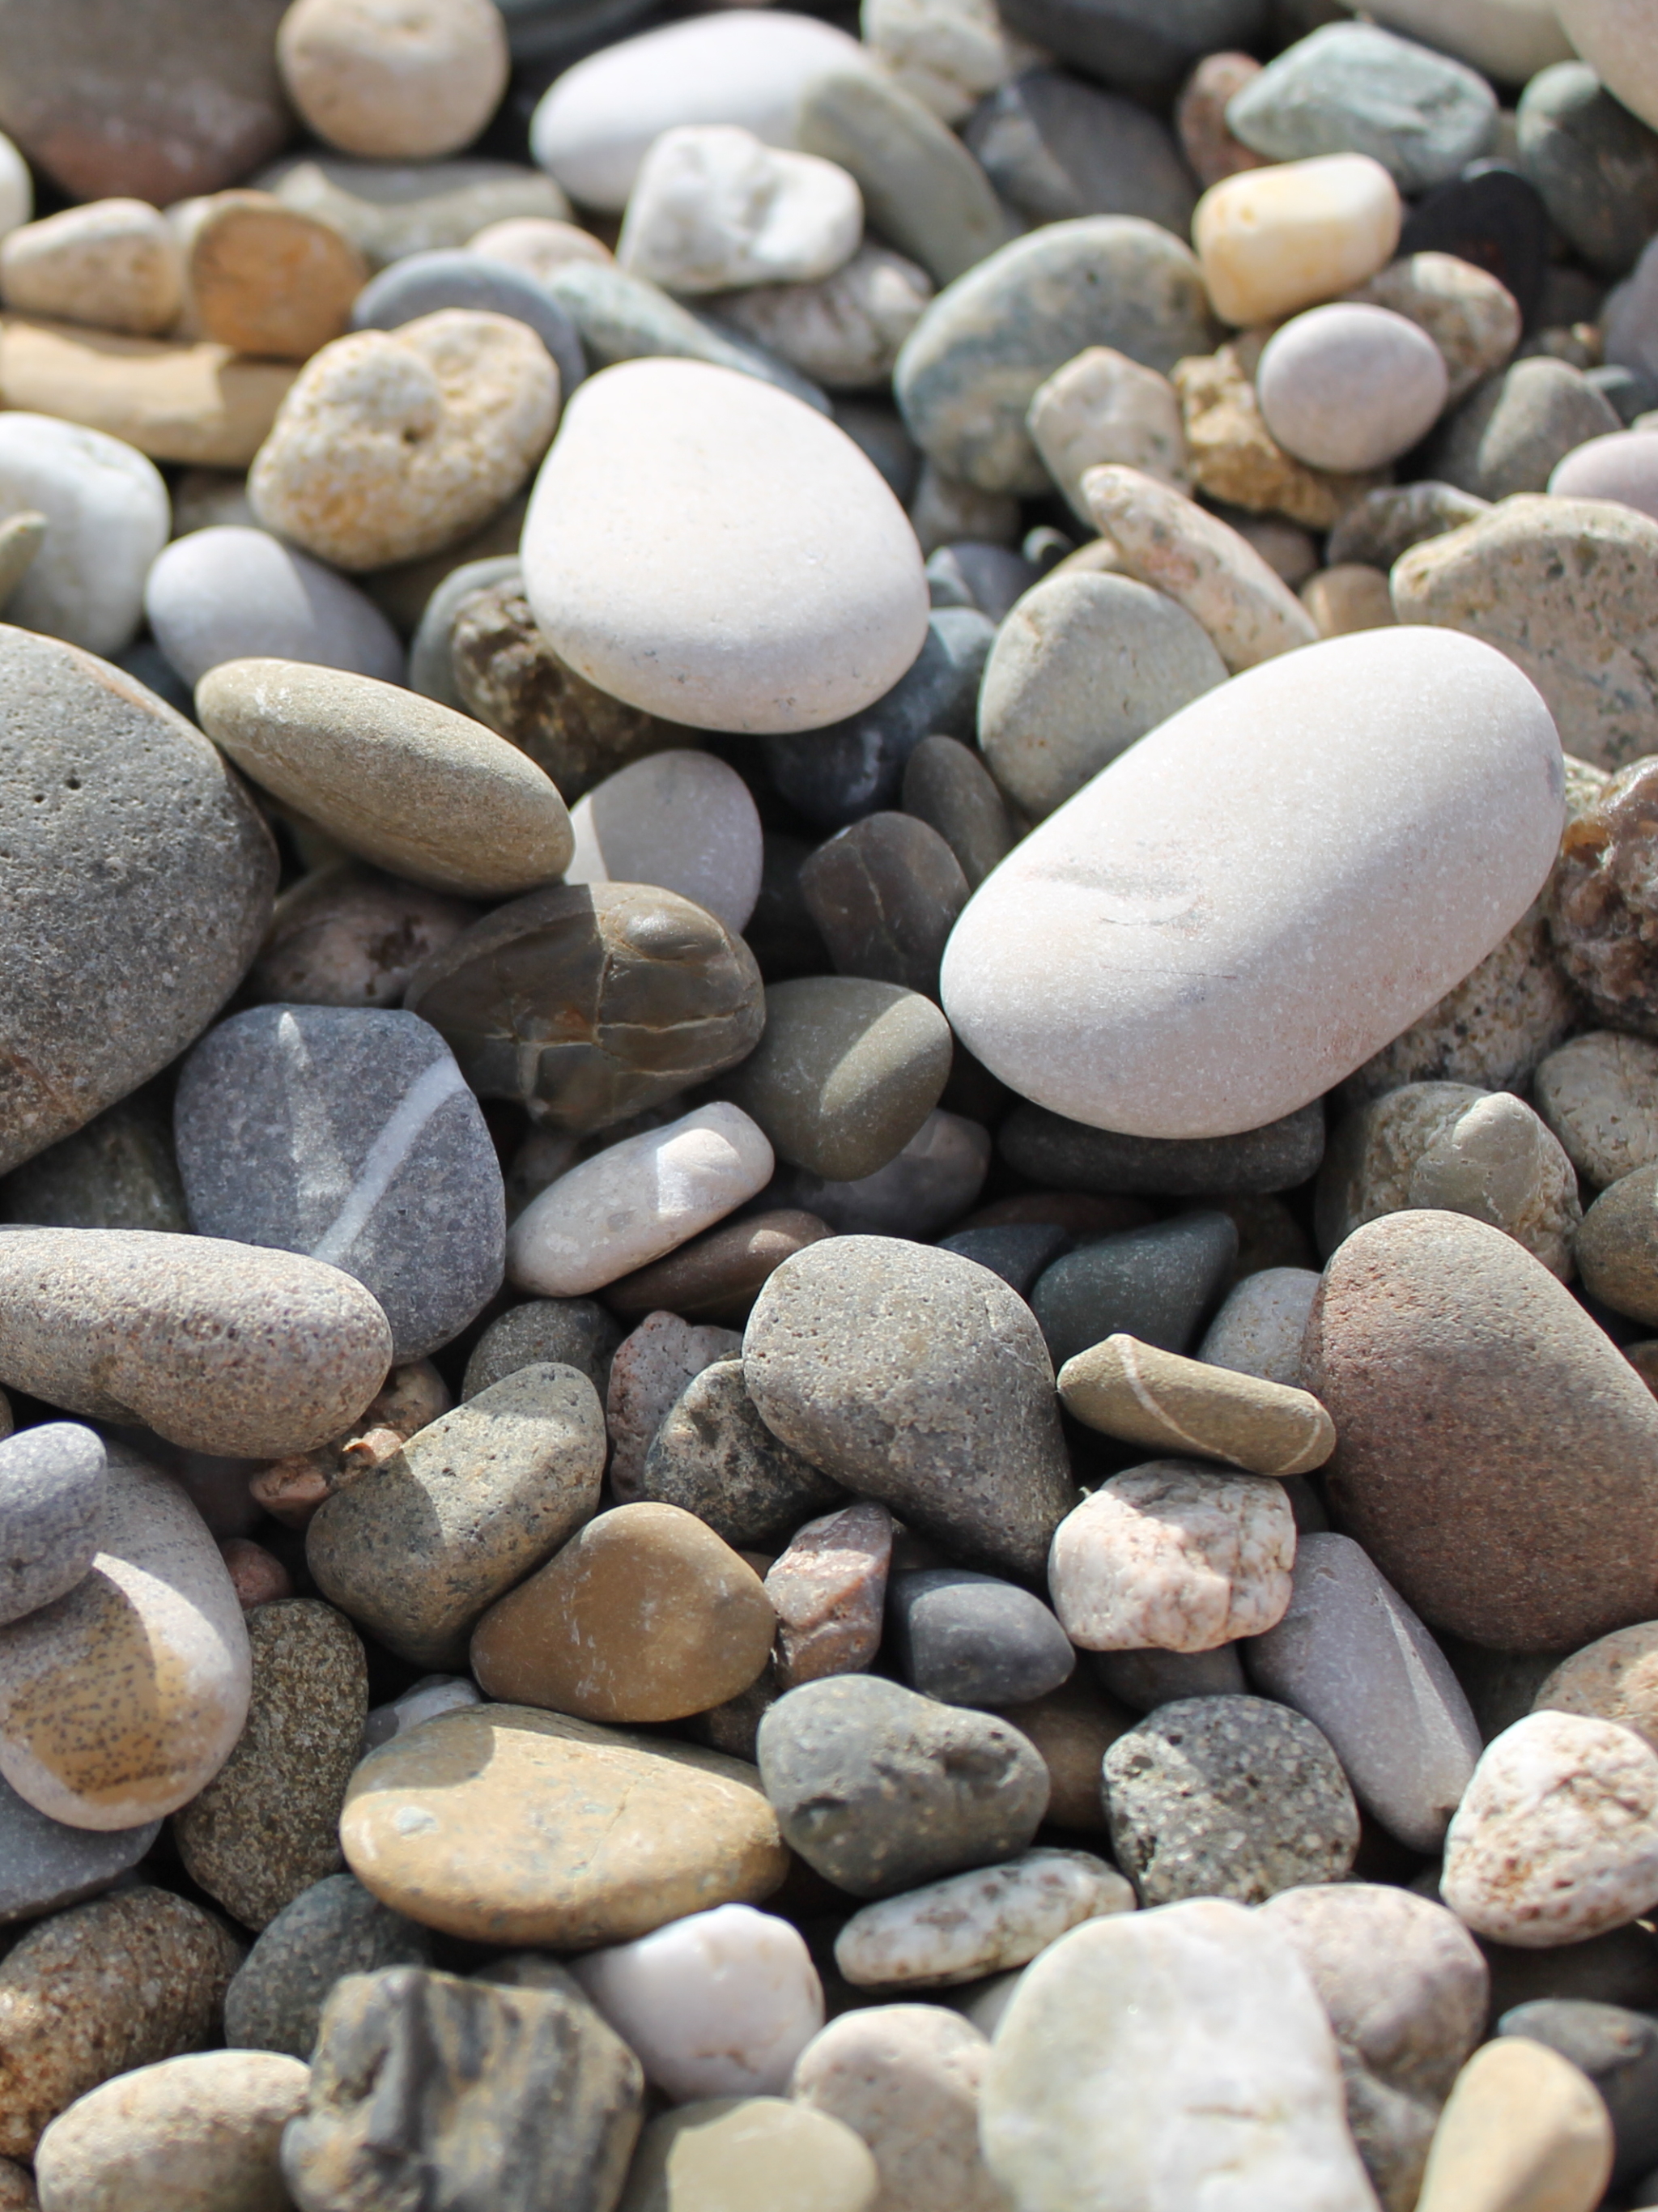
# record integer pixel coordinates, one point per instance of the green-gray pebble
(1617, 1246)
(116, 1173)
(1510, 431)
(1596, 165)
(947, 786)
(334, 1928)
(569, 1331)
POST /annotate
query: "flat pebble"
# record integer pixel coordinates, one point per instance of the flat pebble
(827, 1588)
(906, 2078)
(1260, 1327)
(113, 263)
(420, 284)
(106, 517)
(402, 88)
(200, 2132)
(1072, 1155)
(969, 1639)
(680, 819)
(1273, 241)
(1349, 386)
(173, 399)
(1524, 2129)
(750, 2154)
(334, 1928)
(265, 278)
(231, 593)
(715, 1457)
(1142, 1395)
(978, 1923)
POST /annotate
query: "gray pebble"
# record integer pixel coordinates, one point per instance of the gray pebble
(974, 575)
(1017, 1251)
(885, 895)
(1376, 529)
(1069, 1156)
(1143, 1680)
(45, 1865)
(1054, 148)
(1618, 2049)
(623, 317)
(233, 593)
(431, 667)
(714, 1456)
(119, 1172)
(1594, 163)
(390, 209)
(570, 1332)
(1144, 46)
(947, 786)
(52, 1481)
(334, 1928)
(930, 1182)
(1157, 1284)
(969, 1639)
(423, 284)
(1510, 431)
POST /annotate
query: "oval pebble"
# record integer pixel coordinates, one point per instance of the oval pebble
(107, 519)
(425, 283)
(680, 819)
(1622, 466)
(230, 593)
(978, 1923)
(1350, 386)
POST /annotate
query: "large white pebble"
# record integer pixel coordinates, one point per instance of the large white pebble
(1271, 240)
(635, 1201)
(595, 124)
(235, 593)
(1240, 911)
(714, 207)
(720, 2004)
(1350, 386)
(108, 517)
(1556, 1837)
(719, 553)
(978, 1923)
(681, 820)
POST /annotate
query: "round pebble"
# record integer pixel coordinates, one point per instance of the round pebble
(232, 593)
(1350, 387)
(266, 279)
(396, 85)
(750, 2154)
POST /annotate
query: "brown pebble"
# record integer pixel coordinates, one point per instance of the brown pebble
(349, 936)
(716, 1277)
(256, 1576)
(1072, 1728)
(266, 279)
(829, 1591)
(1615, 1251)
(1200, 116)
(1142, 1395)
(1613, 1679)
(199, 403)
(1347, 598)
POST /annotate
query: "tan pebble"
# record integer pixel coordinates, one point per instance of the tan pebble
(1613, 1679)
(196, 402)
(829, 1589)
(645, 1616)
(1348, 598)
(1471, 317)
(906, 2079)
(395, 443)
(1616, 1254)
(120, 1983)
(1101, 407)
(21, 537)
(515, 1827)
(537, 244)
(1271, 240)
(394, 79)
(113, 263)
(266, 279)
(256, 1576)
(1234, 457)
(1599, 1094)
(1072, 1729)
(750, 2154)
(1200, 117)
(1145, 1396)
(1521, 2131)
(291, 1490)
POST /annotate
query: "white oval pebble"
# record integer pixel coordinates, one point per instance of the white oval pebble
(107, 518)
(1235, 914)
(1557, 1838)
(715, 207)
(719, 553)
(719, 2004)
(635, 1201)
(681, 820)
(1622, 465)
(114, 264)
(978, 1923)
(536, 244)
(1350, 386)
(236, 593)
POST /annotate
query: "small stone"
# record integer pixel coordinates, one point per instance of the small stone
(1599, 899)
(885, 894)
(906, 2078)
(1143, 1679)
(480, 2066)
(750, 2154)
(1200, 116)
(717, 1276)
(712, 208)
(1072, 1156)
(1227, 1798)
(1017, 1251)
(1618, 466)
(946, 53)
(232, 593)
(1232, 456)
(401, 782)
(431, 1695)
(619, 318)
(1613, 1249)
(52, 1487)
(1491, 216)
(969, 1639)
(258, 1576)
(1142, 1395)
(912, 1376)
(1523, 2131)
(636, 1200)
(1259, 1328)
(1596, 165)
(196, 402)
(1351, 1654)
(681, 820)
(388, 209)
(537, 244)
(415, 1548)
(827, 1588)
(1448, 1145)
(1510, 432)
(267, 1827)
(1345, 599)
(977, 1924)
(714, 1456)
(49, 1865)
(1104, 407)
(1349, 386)
(1082, 668)
(200, 2132)
(348, 936)
(879, 1789)
(1054, 148)
(21, 536)
(973, 364)
(421, 284)
(263, 278)
(1618, 2050)
(592, 1002)
(719, 2004)
(334, 1928)
(1557, 1836)
(104, 508)
(572, 1332)
(845, 330)
(1613, 1679)
(509, 1826)
(1159, 1283)
(1080, 2098)
(1173, 1557)
(1072, 1729)
(98, 1991)
(1273, 241)
(648, 1376)
(397, 89)
(115, 264)
(847, 1072)
(931, 1181)
(1388, 522)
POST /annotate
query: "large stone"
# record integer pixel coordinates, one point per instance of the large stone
(1139, 1033)
(764, 617)
(509, 1826)
(1082, 2105)
(1470, 1390)
(917, 1377)
(110, 972)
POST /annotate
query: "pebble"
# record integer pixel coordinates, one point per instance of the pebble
(348, 936)
(1260, 1327)
(1103, 407)
(969, 1639)
(719, 2004)
(1227, 1798)
(1613, 1248)
(718, 1276)
(1493, 216)
(393, 444)
(880, 1790)
(1387, 523)
(333, 1929)
(1474, 320)
(1232, 456)
(114, 264)
(1619, 465)
(842, 330)
(50, 1865)
(1356, 89)
(1523, 2128)
(233, 593)
(1273, 241)
(680, 819)
(1072, 1156)
(421, 284)
(1080, 2100)
(53, 1494)
(648, 1378)
(263, 278)
(1511, 432)
(175, 400)
(906, 2078)
(1142, 1395)
(712, 208)
(1610, 1680)
(1056, 148)
(393, 88)
(388, 209)
(1618, 2051)
(1350, 386)
(94, 1992)
(1598, 899)
(827, 1588)
(1608, 41)
(537, 244)
(572, 1332)
(106, 512)
(1343, 600)
(644, 1615)
(620, 318)
(1263, 1050)
(750, 2154)
(1157, 1284)
(506, 1826)
(714, 1456)
(1173, 1556)
(200, 2132)
(973, 1924)
(885, 894)
(418, 1546)
(931, 1181)
(938, 1402)
(402, 782)
(1593, 163)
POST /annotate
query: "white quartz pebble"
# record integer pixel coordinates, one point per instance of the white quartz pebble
(714, 207)
(681, 820)
(635, 1201)
(719, 2004)
(107, 518)
(237, 593)
(1350, 386)
(1271, 240)
(978, 1923)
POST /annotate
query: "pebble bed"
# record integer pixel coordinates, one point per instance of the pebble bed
(828, 1106)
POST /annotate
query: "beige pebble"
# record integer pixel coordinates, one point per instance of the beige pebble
(1599, 1094)
(1274, 239)
(750, 2154)
(1143, 1395)
(114, 264)
(1347, 597)
(906, 2079)
(392, 443)
(1613, 1679)
(394, 79)
(1234, 457)
(199, 403)
(1521, 2131)
(537, 244)
(1175, 1557)
(1102, 407)
(1471, 317)
(266, 279)
(1172, 543)
(983, 1923)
